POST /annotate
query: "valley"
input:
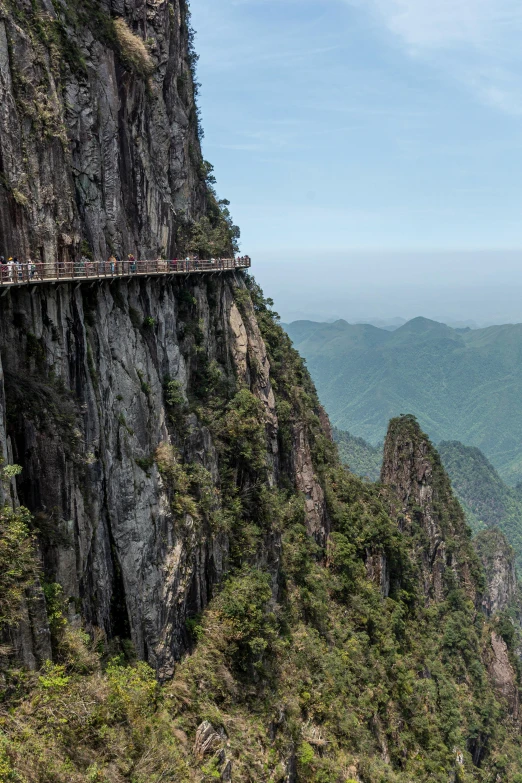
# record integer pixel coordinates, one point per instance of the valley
(461, 384)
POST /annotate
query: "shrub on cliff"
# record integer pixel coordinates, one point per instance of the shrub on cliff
(133, 51)
(18, 566)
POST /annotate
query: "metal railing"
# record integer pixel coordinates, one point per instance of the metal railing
(12, 274)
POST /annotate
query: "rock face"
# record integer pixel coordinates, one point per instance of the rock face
(427, 509)
(502, 674)
(102, 386)
(498, 561)
(86, 414)
(98, 128)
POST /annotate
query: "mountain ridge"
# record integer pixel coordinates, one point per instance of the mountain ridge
(461, 385)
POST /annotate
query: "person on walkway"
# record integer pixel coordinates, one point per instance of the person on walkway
(19, 268)
(3, 268)
(132, 264)
(31, 268)
(83, 265)
(11, 270)
(112, 264)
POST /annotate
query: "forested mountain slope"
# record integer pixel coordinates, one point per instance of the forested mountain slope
(345, 637)
(461, 384)
(488, 501)
(192, 587)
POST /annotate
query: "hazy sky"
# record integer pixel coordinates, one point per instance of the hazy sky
(362, 136)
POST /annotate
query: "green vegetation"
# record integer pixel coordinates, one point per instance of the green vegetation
(486, 499)
(133, 51)
(363, 459)
(301, 661)
(461, 384)
(173, 394)
(17, 563)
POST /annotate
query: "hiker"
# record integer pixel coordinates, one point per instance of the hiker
(10, 269)
(132, 264)
(31, 268)
(112, 264)
(79, 267)
(17, 264)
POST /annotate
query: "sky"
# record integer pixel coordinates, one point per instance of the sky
(371, 151)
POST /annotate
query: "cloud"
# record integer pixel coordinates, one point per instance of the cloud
(434, 24)
(477, 42)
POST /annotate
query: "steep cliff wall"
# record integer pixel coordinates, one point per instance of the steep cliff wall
(171, 441)
(498, 561)
(184, 491)
(113, 398)
(98, 128)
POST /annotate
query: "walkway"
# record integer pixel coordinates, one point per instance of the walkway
(63, 272)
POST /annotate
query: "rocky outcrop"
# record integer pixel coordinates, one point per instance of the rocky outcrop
(498, 561)
(98, 128)
(427, 509)
(378, 571)
(503, 674)
(308, 483)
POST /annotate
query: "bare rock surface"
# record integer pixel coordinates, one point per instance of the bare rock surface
(84, 413)
(97, 145)
(498, 561)
(427, 509)
(503, 674)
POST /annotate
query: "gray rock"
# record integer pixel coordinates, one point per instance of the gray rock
(89, 148)
(83, 385)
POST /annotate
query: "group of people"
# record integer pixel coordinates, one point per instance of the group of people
(13, 270)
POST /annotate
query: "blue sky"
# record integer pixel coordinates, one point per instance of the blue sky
(391, 128)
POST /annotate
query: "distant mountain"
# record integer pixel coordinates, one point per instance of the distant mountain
(461, 384)
(486, 499)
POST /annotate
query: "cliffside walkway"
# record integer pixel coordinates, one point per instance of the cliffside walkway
(64, 272)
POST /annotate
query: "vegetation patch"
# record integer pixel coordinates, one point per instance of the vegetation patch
(133, 50)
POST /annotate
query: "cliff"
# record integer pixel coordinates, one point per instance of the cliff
(113, 400)
(498, 561)
(99, 130)
(427, 510)
(192, 588)
(211, 515)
